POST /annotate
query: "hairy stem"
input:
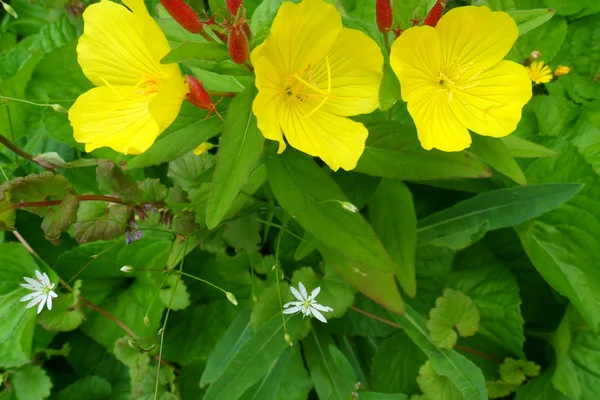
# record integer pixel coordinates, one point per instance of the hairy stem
(83, 197)
(20, 152)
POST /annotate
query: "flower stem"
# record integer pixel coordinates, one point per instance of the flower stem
(108, 315)
(20, 152)
(83, 197)
(386, 40)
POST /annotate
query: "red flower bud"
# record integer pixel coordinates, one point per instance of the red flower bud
(238, 45)
(233, 6)
(247, 31)
(199, 97)
(383, 12)
(184, 14)
(435, 13)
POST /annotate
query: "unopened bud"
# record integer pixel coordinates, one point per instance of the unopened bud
(233, 6)
(435, 13)
(160, 331)
(534, 55)
(127, 269)
(383, 13)
(203, 148)
(237, 44)
(10, 10)
(288, 339)
(247, 30)
(561, 70)
(132, 343)
(147, 321)
(58, 108)
(231, 298)
(198, 96)
(349, 206)
(183, 14)
(275, 266)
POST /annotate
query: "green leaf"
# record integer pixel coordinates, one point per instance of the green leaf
(89, 388)
(59, 220)
(152, 190)
(578, 52)
(7, 213)
(540, 388)
(453, 310)
(547, 39)
(522, 148)
(66, 314)
(308, 194)
(263, 17)
(16, 330)
(228, 346)
(330, 371)
(112, 179)
(495, 153)
(437, 386)
(181, 297)
(445, 362)
(254, 359)
(530, 19)
(190, 170)
(382, 396)
(335, 293)
(392, 215)
(31, 383)
(500, 208)
(240, 148)
(99, 220)
(389, 90)
(178, 142)
(243, 234)
(392, 150)
(500, 389)
(202, 51)
(269, 304)
(576, 7)
(395, 366)
(515, 372)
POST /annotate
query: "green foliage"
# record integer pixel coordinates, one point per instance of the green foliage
(454, 310)
(66, 313)
(31, 382)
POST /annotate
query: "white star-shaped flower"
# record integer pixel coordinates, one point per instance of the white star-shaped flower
(42, 291)
(306, 304)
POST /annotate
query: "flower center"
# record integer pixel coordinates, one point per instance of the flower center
(452, 78)
(302, 87)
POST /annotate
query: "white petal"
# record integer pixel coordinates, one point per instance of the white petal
(46, 280)
(32, 287)
(292, 303)
(33, 282)
(292, 310)
(39, 275)
(318, 315)
(314, 293)
(36, 300)
(30, 296)
(322, 308)
(296, 293)
(49, 302)
(53, 294)
(41, 305)
(303, 291)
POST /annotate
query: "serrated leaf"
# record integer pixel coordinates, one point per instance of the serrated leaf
(99, 220)
(499, 389)
(240, 148)
(60, 219)
(454, 310)
(66, 314)
(190, 170)
(243, 234)
(153, 191)
(31, 383)
(435, 386)
(179, 300)
(515, 372)
(112, 180)
(7, 213)
(89, 388)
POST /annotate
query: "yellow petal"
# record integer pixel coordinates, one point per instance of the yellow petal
(113, 49)
(155, 39)
(266, 103)
(165, 105)
(475, 37)
(493, 107)
(301, 35)
(99, 118)
(355, 65)
(338, 141)
(437, 126)
(416, 60)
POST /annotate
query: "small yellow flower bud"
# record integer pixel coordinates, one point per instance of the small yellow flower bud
(349, 206)
(534, 55)
(127, 268)
(288, 339)
(204, 147)
(231, 298)
(561, 70)
(10, 10)
(147, 321)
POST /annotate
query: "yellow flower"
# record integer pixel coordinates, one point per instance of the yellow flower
(311, 73)
(454, 79)
(137, 97)
(203, 148)
(561, 70)
(539, 72)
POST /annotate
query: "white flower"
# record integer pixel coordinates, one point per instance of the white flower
(306, 304)
(42, 291)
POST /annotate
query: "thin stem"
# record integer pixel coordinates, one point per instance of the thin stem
(477, 353)
(386, 40)
(207, 36)
(20, 152)
(83, 197)
(108, 315)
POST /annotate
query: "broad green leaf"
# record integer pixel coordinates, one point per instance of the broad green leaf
(240, 148)
(355, 323)
(453, 310)
(60, 219)
(270, 303)
(495, 153)
(331, 373)
(392, 215)
(522, 148)
(228, 345)
(112, 179)
(177, 143)
(99, 220)
(243, 234)
(382, 396)
(254, 359)
(202, 51)
(540, 388)
(295, 384)
(436, 386)
(395, 366)
(566, 258)
(500, 208)
(516, 371)
(66, 314)
(152, 190)
(89, 388)
(16, 330)
(530, 19)
(406, 10)
(389, 90)
(312, 198)
(31, 383)
(190, 170)
(308, 244)
(179, 300)
(576, 7)
(499, 389)
(262, 18)
(445, 362)
(392, 150)
(547, 39)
